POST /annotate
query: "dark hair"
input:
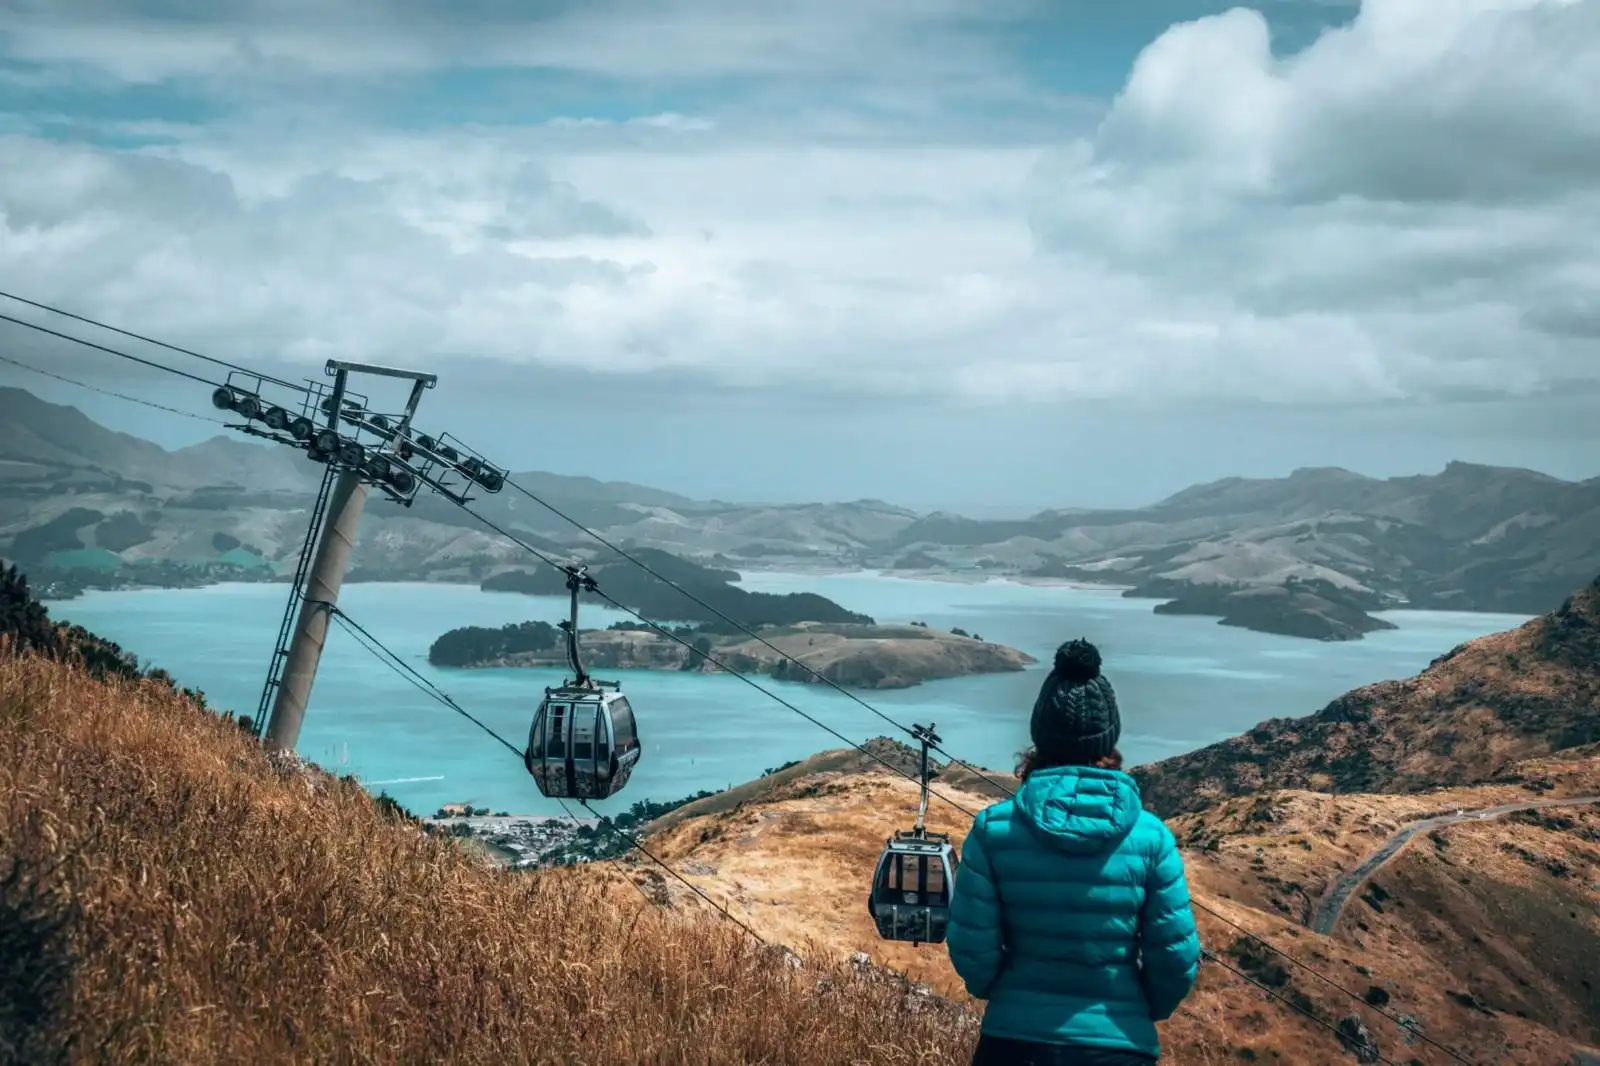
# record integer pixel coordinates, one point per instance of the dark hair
(1030, 761)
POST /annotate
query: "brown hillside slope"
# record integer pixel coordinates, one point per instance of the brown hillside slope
(1284, 850)
(168, 894)
(877, 753)
(794, 861)
(1505, 911)
(1510, 907)
(1472, 714)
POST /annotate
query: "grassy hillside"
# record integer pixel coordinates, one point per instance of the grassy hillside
(793, 854)
(168, 894)
(1498, 912)
(1474, 713)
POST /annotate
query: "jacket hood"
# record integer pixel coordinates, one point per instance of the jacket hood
(1080, 809)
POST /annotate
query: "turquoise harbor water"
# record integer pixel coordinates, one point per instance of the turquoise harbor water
(1182, 682)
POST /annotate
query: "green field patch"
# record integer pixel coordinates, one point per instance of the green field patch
(98, 559)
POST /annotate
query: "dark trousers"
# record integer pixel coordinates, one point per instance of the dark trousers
(998, 1051)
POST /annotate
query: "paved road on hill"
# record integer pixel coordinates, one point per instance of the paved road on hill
(1331, 906)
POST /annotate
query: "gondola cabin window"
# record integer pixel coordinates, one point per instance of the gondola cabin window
(919, 879)
(583, 731)
(624, 731)
(557, 727)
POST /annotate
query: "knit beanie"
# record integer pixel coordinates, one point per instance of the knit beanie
(1075, 718)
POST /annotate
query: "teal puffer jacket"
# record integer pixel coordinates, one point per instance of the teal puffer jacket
(1071, 914)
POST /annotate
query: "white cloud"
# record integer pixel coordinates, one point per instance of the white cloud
(754, 264)
(1403, 206)
(1400, 211)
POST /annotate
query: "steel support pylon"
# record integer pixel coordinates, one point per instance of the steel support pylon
(338, 538)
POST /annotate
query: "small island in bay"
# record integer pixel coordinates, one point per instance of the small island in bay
(715, 592)
(842, 646)
(1314, 610)
(853, 655)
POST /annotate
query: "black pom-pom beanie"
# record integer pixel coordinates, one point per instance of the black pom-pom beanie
(1075, 718)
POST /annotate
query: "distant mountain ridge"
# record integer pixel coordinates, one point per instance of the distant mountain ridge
(58, 439)
(1470, 537)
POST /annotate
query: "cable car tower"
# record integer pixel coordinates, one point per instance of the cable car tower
(360, 449)
(911, 888)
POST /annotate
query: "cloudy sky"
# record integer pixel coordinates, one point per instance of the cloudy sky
(1008, 253)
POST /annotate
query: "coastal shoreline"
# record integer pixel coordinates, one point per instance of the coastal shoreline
(1396, 615)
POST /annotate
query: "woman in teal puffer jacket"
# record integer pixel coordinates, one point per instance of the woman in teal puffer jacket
(1071, 913)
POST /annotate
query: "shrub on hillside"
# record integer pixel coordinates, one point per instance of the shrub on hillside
(25, 626)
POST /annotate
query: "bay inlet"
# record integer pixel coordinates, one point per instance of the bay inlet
(1182, 682)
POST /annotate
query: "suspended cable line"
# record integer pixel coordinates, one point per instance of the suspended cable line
(412, 674)
(147, 340)
(713, 660)
(537, 554)
(549, 561)
(109, 392)
(634, 843)
(1410, 1027)
(747, 631)
(1297, 1008)
(113, 351)
(416, 678)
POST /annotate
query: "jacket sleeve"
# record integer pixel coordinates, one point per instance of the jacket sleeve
(974, 939)
(1169, 942)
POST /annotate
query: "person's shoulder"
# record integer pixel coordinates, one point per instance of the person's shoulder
(1152, 833)
(1002, 811)
(995, 816)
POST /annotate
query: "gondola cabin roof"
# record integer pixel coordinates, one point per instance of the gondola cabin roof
(568, 691)
(915, 843)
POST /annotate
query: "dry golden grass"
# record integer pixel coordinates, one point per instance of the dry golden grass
(216, 909)
(796, 866)
(1522, 940)
(1510, 907)
(1280, 851)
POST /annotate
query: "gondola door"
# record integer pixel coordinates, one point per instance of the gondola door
(585, 768)
(548, 748)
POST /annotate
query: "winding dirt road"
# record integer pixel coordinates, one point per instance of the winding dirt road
(1331, 907)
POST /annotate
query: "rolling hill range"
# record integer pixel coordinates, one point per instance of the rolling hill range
(1307, 555)
(1471, 537)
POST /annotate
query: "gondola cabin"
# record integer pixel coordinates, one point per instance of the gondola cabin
(911, 889)
(583, 743)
